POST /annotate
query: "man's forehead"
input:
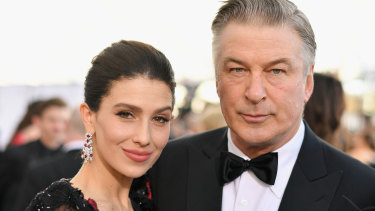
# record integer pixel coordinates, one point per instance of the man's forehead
(258, 31)
(55, 109)
(278, 43)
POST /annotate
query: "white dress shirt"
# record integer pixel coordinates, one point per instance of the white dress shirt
(249, 193)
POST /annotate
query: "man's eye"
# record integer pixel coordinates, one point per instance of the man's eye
(276, 71)
(237, 69)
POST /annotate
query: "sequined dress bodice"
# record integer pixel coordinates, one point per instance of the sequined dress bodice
(60, 195)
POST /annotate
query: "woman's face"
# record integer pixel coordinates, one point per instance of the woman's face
(132, 125)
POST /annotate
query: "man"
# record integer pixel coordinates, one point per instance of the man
(263, 53)
(64, 165)
(53, 122)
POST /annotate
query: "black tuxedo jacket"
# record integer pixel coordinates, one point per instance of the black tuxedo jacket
(185, 177)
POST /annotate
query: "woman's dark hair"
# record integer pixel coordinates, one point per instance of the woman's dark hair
(33, 109)
(325, 107)
(125, 59)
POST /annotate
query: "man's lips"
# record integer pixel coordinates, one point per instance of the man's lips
(137, 155)
(255, 118)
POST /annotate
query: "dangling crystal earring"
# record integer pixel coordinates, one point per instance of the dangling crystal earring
(86, 153)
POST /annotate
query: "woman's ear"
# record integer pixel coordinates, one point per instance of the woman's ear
(88, 118)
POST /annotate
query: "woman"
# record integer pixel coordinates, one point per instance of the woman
(129, 98)
(27, 130)
(324, 110)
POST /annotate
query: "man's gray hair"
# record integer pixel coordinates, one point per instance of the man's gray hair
(265, 12)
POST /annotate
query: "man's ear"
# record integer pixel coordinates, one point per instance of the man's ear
(217, 88)
(35, 119)
(88, 118)
(309, 86)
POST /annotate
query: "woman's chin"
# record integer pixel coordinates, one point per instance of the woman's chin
(134, 173)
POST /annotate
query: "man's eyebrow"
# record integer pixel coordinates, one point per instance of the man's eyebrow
(230, 59)
(278, 61)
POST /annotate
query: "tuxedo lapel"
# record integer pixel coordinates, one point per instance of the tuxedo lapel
(310, 186)
(203, 189)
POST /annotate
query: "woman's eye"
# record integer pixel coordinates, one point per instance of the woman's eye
(161, 119)
(125, 114)
(276, 71)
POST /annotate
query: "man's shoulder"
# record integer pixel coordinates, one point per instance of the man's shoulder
(335, 160)
(357, 180)
(352, 168)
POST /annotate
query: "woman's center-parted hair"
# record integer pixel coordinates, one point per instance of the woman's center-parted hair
(125, 59)
(265, 13)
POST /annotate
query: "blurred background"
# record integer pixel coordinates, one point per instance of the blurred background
(46, 47)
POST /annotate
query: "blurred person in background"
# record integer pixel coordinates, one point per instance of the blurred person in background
(186, 123)
(64, 165)
(324, 110)
(363, 148)
(212, 118)
(190, 123)
(27, 130)
(53, 121)
(178, 128)
(208, 119)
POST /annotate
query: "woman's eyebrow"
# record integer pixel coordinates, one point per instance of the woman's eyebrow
(125, 105)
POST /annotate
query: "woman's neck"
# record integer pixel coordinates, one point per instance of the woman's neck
(100, 182)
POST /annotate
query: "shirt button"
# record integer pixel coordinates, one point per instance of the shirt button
(244, 202)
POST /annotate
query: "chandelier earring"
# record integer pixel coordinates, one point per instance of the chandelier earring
(86, 153)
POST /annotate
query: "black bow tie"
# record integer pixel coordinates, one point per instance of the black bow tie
(264, 167)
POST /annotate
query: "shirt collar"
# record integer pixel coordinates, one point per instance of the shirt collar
(287, 156)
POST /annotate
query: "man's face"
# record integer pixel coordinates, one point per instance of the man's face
(54, 123)
(261, 84)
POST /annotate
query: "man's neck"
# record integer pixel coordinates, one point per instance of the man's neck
(253, 150)
(50, 144)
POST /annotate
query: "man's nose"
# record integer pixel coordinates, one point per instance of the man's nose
(255, 90)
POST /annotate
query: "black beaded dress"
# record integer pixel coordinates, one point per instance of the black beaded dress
(60, 195)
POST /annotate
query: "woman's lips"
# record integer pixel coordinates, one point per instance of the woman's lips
(137, 155)
(255, 118)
